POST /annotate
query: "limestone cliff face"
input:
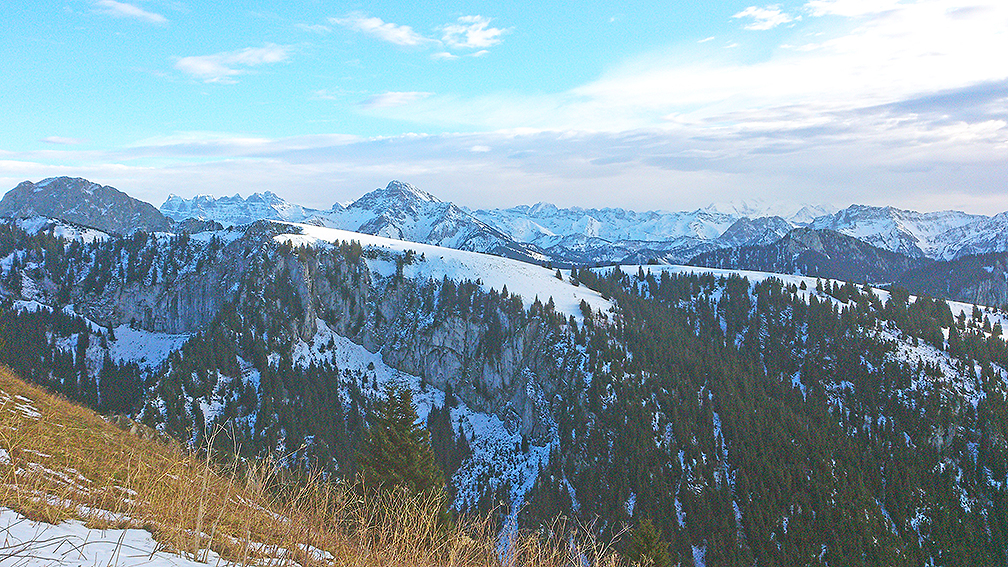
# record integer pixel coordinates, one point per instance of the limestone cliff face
(514, 379)
(511, 370)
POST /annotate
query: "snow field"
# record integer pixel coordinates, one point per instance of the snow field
(527, 280)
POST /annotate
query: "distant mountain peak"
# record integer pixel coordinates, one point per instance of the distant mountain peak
(235, 210)
(396, 196)
(82, 202)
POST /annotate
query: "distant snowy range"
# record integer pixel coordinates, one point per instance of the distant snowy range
(576, 236)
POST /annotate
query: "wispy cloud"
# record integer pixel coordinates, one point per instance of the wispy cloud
(385, 31)
(123, 10)
(393, 99)
(314, 28)
(62, 141)
(764, 18)
(849, 8)
(472, 32)
(223, 67)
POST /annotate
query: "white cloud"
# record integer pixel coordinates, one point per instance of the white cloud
(62, 141)
(479, 149)
(223, 67)
(764, 18)
(849, 8)
(386, 31)
(472, 32)
(706, 39)
(393, 99)
(314, 28)
(123, 10)
(444, 55)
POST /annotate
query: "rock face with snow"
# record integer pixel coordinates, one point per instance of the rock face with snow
(403, 212)
(754, 232)
(932, 235)
(234, 211)
(85, 203)
(814, 252)
(585, 236)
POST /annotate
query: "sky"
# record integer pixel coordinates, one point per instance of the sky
(670, 105)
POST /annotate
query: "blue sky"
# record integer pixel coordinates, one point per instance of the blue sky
(670, 105)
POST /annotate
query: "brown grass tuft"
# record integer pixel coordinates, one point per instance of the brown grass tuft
(60, 461)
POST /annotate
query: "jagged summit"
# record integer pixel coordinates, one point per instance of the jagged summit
(83, 202)
(235, 210)
(397, 196)
(907, 232)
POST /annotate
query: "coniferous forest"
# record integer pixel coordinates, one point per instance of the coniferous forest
(722, 420)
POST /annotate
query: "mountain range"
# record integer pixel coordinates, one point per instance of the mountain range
(717, 236)
(752, 416)
(574, 235)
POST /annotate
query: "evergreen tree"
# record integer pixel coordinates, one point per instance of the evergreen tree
(646, 548)
(397, 452)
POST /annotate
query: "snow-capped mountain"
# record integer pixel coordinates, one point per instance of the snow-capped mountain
(84, 203)
(233, 211)
(399, 211)
(932, 235)
(814, 252)
(982, 236)
(754, 232)
(579, 235)
(404, 212)
(546, 233)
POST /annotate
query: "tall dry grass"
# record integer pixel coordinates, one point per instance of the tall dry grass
(61, 461)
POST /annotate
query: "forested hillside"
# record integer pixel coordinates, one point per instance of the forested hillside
(752, 421)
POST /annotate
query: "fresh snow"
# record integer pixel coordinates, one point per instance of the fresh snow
(496, 444)
(69, 231)
(25, 543)
(527, 280)
(143, 347)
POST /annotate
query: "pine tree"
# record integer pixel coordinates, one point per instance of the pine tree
(646, 548)
(397, 452)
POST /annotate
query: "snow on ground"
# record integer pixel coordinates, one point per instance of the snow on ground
(810, 283)
(496, 445)
(24, 543)
(130, 345)
(227, 235)
(143, 347)
(34, 225)
(527, 280)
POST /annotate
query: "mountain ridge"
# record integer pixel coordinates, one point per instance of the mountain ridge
(83, 202)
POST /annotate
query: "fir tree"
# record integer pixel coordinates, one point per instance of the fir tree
(646, 548)
(397, 452)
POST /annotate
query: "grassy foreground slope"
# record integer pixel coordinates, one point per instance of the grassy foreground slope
(61, 462)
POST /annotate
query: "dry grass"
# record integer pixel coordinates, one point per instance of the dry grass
(60, 461)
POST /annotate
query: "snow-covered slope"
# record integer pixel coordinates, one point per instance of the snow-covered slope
(530, 281)
(28, 543)
(935, 235)
(60, 229)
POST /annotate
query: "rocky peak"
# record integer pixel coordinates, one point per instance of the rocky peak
(397, 198)
(83, 202)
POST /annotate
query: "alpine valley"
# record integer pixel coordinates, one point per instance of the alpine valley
(768, 387)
